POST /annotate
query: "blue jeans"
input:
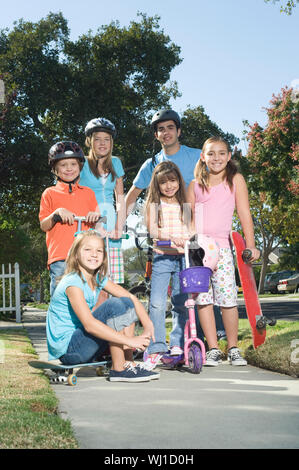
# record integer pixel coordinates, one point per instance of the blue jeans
(56, 272)
(83, 347)
(166, 267)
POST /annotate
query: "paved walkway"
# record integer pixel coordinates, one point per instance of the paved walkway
(222, 407)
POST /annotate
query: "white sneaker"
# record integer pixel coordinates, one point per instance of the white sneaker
(176, 351)
(152, 361)
(213, 357)
(235, 358)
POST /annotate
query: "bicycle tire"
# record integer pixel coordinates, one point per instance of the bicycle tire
(142, 293)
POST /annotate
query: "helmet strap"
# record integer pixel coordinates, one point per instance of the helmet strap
(69, 182)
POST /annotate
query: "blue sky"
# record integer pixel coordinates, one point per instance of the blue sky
(236, 53)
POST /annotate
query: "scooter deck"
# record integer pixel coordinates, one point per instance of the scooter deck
(252, 304)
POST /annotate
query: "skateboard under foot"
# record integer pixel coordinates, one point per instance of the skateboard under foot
(65, 373)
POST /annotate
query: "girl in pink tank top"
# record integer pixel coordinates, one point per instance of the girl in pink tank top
(217, 190)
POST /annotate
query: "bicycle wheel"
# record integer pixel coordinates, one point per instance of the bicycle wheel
(142, 293)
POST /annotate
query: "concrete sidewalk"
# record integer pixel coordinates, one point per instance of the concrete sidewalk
(222, 407)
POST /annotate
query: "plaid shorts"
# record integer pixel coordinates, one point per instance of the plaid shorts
(116, 265)
(223, 288)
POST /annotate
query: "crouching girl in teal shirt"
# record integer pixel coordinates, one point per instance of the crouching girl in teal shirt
(78, 330)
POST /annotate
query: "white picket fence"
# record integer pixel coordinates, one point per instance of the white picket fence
(13, 304)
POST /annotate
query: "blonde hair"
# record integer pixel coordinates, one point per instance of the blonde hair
(93, 159)
(73, 261)
(201, 172)
(163, 172)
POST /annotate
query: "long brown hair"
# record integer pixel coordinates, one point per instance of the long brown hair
(93, 159)
(201, 173)
(72, 260)
(163, 172)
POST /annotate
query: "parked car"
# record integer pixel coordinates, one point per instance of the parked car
(26, 292)
(272, 280)
(290, 284)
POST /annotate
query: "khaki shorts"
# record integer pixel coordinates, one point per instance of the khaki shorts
(223, 288)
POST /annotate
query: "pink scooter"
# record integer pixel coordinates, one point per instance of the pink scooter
(194, 280)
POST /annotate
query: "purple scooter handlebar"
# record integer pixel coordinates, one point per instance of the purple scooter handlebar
(163, 243)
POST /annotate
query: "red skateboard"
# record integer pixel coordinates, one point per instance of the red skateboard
(253, 308)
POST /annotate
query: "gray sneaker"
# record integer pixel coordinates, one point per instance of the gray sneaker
(213, 357)
(235, 358)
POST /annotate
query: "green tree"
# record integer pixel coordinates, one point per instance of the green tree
(59, 85)
(286, 7)
(271, 168)
(197, 127)
(289, 258)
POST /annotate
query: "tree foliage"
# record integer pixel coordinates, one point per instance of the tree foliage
(197, 127)
(58, 85)
(286, 7)
(274, 151)
(271, 167)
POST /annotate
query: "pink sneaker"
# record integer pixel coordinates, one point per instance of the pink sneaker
(176, 351)
(152, 361)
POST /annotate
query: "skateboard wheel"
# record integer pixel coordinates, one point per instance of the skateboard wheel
(72, 379)
(261, 323)
(100, 371)
(271, 322)
(195, 358)
(58, 379)
(246, 255)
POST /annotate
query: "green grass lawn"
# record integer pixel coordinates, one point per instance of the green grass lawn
(29, 416)
(275, 354)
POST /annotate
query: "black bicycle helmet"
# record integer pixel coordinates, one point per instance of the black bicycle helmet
(65, 149)
(166, 115)
(100, 124)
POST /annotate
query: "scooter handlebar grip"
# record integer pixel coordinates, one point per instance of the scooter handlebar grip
(163, 243)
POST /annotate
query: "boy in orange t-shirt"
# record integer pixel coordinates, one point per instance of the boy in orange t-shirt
(64, 201)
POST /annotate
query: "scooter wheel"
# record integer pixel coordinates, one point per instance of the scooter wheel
(195, 358)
